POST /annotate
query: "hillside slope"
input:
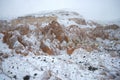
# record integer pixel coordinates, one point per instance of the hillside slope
(58, 45)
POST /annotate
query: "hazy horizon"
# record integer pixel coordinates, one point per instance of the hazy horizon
(91, 9)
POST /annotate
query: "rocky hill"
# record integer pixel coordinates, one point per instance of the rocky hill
(58, 45)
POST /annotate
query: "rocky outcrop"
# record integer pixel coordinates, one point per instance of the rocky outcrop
(28, 34)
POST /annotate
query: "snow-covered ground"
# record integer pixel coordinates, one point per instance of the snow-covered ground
(59, 45)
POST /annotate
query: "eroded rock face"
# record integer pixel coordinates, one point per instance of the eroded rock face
(28, 34)
(20, 38)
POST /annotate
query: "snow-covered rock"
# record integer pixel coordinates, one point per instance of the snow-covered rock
(59, 45)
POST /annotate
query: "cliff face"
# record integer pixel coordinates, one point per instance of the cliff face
(60, 38)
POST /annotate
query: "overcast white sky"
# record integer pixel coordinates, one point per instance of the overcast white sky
(92, 9)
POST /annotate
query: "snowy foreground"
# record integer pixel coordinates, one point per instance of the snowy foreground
(59, 45)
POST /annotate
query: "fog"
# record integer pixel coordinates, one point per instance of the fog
(91, 9)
